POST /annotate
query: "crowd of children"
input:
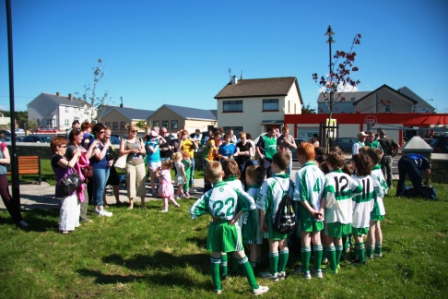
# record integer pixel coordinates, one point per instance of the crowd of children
(335, 201)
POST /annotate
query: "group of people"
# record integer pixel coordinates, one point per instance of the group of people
(335, 200)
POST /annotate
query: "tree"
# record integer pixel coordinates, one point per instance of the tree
(308, 110)
(141, 124)
(336, 82)
(32, 125)
(90, 91)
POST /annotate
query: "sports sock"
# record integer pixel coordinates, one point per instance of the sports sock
(224, 267)
(359, 249)
(305, 256)
(214, 268)
(283, 259)
(369, 251)
(338, 253)
(331, 252)
(273, 262)
(378, 248)
(247, 269)
(317, 251)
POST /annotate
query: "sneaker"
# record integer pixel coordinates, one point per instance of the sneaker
(357, 262)
(379, 255)
(187, 195)
(325, 261)
(164, 211)
(23, 223)
(331, 271)
(176, 197)
(85, 220)
(282, 275)
(192, 190)
(306, 275)
(105, 213)
(183, 195)
(218, 292)
(273, 277)
(260, 290)
(317, 273)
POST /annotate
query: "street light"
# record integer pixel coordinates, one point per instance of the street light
(329, 42)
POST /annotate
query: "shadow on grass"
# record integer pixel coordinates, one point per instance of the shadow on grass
(159, 261)
(41, 220)
(200, 242)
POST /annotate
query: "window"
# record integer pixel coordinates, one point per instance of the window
(67, 123)
(232, 106)
(165, 123)
(115, 125)
(122, 125)
(387, 108)
(107, 124)
(67, 109)
(86, 111)
(174, 124)
(270, 105)
(156, 123)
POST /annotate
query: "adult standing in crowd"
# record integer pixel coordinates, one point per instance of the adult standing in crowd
(244, 152)
(75, 138)
(266, 148)
(286, 143)
(12, 204)
(152, 148)
(211, 154)
(166, 148)
(371, 141)
(101, 168)
(315, 140)
(70, 208)
(411, 165)
(389, 146)
(188, 145)
(197, 138)
(359, 143)
(87, 137)
(75, 126)
(114, 178)
(233, 139)
(206, 138)
(133, 147)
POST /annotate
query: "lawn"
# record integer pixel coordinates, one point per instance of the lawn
(148, 254)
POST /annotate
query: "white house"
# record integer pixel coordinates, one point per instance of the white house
(56, 112)
(253, 105)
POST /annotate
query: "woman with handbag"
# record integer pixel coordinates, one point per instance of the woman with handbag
(101, 168)
(75, 138)
(12, 204)
(62, 168)
(134, 149)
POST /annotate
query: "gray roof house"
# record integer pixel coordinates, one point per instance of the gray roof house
(117, 118)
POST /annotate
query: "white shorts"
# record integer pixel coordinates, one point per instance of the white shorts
(154, 165)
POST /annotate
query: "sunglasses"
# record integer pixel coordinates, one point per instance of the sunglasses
(134, 131)
(101, 132)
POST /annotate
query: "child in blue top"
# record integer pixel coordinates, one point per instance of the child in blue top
(227, 149)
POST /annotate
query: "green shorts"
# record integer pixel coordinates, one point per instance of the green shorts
(376, 217)
(223, 237)
(360, 231)
(311, 226)
(272, 234)
(337, 229)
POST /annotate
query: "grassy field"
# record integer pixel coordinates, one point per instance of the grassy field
(148, 254)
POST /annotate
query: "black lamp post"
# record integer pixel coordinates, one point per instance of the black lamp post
(329, 42)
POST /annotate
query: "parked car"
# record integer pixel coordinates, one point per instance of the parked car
(114, 140)
(440, 144)
(37, 138)
(345, 143)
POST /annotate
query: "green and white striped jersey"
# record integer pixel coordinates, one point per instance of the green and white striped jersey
(378, 173)
(271, 193)
(223, 202)
(363, 203)
(310, 182)
(339, 190)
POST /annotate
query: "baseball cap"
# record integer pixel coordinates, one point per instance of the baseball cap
(363, 134)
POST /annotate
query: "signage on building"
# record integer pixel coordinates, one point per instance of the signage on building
(370, 119)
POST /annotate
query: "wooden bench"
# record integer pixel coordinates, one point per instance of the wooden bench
(29, 165)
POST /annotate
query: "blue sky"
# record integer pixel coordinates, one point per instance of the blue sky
(179, 52)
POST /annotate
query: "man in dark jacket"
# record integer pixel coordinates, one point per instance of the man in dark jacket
(412, 164)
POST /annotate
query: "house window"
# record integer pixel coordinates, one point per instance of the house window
(232, 106)
(67, 109)
(236, 130)
(270, 105)
(49, 123)
(86, 111)
(165, 123)
(66, 122)
(174, 124)
(387, 108)
(107, 124)
(122, 125)
(115, 125)
(156, 123)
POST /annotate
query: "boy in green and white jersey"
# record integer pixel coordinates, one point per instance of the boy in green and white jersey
(268, 201)
(375, 236)
(337, 200)
(310, 181)
(225, 204)
(363, 203)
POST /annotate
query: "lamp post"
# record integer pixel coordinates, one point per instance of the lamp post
(329, 42)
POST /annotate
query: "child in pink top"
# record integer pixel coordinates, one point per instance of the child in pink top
(166, 189)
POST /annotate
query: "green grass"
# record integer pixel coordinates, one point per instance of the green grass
(148, 254)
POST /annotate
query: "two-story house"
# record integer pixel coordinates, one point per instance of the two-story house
(117, 118)
(253, 105)
(56, 112)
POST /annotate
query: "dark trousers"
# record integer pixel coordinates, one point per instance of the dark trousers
(386, 167)
(12, 205)
(266, 164)
(207, 184)
(407, 166)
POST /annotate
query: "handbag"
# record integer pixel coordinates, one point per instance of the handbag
(121, 162)
(70, 184)
(87, 171)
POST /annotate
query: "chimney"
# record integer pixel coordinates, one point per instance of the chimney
(121, 105)
(58, 93)
(70, 97)
(241, 77)
(234, 79)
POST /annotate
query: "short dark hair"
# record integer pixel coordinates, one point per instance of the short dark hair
(75, 122)
(281, 159)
